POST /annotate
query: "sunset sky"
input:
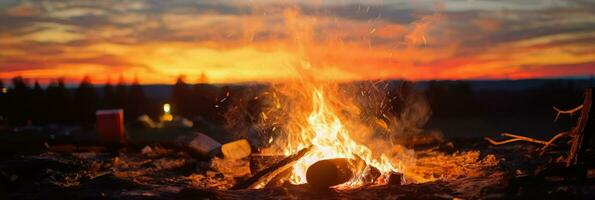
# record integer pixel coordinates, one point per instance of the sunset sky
(234, 41)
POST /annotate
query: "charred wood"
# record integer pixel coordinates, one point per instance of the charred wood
(327, 173)
(395, 178)
(263, 177)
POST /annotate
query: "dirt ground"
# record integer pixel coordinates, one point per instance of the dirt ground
(154, 172)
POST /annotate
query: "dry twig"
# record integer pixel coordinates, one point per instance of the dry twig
(514, 139)
(569, 112)
(551, 141)
(579, 135)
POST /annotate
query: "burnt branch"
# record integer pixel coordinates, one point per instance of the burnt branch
(265, 176)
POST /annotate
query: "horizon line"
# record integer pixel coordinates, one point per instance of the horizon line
(71, 84)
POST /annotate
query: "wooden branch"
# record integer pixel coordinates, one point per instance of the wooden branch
(569, 112)
(551, 141)
(514, 139)
(501, 142)
(263, 177)
(528, 139)
(582, 132)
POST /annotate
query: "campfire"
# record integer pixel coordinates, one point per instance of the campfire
(331, 139)
(297, 100)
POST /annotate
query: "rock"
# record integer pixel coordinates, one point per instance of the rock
(146, 121)
(199, 144)
(146, 150)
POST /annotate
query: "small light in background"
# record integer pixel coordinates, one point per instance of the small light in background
(166, 108)
(4, 90)
(166, 113)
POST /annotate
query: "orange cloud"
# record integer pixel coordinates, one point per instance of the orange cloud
(237, 42)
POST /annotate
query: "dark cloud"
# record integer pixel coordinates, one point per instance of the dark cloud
(11, 24)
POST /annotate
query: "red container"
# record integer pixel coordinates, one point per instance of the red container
(110, 126)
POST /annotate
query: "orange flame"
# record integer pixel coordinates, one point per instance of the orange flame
(326, 116)
(330, 138)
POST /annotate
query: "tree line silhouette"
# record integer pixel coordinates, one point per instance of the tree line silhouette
(450, 99)
(24, 104)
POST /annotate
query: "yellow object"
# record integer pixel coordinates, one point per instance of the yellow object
(167, 117)
(237, 149)
(166, 108)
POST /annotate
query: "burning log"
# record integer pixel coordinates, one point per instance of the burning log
(263, 177)
(372, 175)
(327, 173)
(280, 178)
(395, 178)
(259, 162)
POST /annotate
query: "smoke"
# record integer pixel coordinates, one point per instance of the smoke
(383, 116)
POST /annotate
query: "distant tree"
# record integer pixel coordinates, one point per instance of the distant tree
(121, 96)
(85, 102)
(437, 92)
(58, 102)
(3, 100)
(204, 99)
(223, 103)
(37, 102)
(463, 99)
(20, 110)
(137, 101)
(452, 99)
(109, 97)
(203, 79)
(181, 98)
(398, 97)
(554, 92)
